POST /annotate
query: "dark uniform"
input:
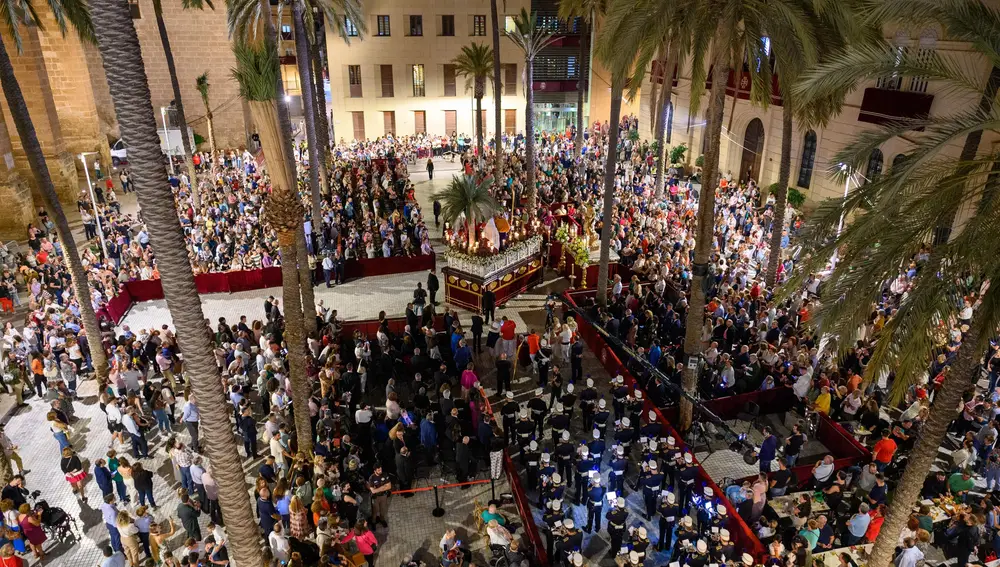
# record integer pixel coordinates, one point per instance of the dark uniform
(596, 448)
(558, 423)
(588, 402)
(687, 475)
(564, 459)
(650, 481)
(584, 465)
(595, 504)
(567, 542)
(619, 468)
(509, 412)
(617, 518)
(668, 517)
(620, 394)
(576, 361)
(538, 409)
(380, 501)
(525, 429)
(568, 401)
(550, 517)
(601, 420)
(697, 559)
(686, 537)
(530, 460)
(634, 407)
(624, 436)
(639, 545)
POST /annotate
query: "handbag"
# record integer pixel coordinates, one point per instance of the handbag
(51, 372)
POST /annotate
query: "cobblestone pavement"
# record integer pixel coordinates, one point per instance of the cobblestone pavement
(413, 530)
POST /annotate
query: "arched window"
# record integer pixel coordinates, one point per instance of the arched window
(874, 169)
(808, 159)
(899, 160)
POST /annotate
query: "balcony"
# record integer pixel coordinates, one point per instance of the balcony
(554, 86)
(741, 89)
(884, 106)
(286, 60)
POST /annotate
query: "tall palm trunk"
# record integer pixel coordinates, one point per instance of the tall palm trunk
(283, 211)
(611, 163)
(965, 372)
(322, 124)
(497, 94)
(302, 59)
(479, 121)
(6, 470)
(780, 194)
(295, 341)
(663, 116)
(581, 89)
(306, 283)
(175, 86)
(706, 226)
(123, 65)
(211, 130)
(529, 134)
(36, 159)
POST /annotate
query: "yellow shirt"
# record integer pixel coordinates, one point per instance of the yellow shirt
(823, 403)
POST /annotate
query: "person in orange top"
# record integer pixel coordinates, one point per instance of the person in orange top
(875, 526)
(853, 381)
(38, 370)
(534, 344)
(883, 451)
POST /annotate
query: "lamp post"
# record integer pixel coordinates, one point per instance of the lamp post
(166, 137)
(93, 203)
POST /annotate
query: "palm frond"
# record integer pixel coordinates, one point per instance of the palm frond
(465, 196)
(528, 37)
(334, 14)
(256, 69)
(475, 63)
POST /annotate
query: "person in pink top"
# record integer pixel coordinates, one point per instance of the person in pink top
(364, 538)
(469, 379)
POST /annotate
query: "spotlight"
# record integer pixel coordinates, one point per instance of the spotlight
(288, 98)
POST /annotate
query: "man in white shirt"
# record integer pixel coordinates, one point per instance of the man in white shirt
(140, 448)
(910, 556)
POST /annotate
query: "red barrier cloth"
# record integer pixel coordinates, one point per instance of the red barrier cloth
(741, 532)
(119, 305)
(213, 283)
(381, 266)
(145, 290)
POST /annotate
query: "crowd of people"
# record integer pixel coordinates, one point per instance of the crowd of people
(331, 507)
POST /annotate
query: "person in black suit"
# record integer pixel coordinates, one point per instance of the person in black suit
(268, 304)
(477, 333)
(489, 305)
(433, 285)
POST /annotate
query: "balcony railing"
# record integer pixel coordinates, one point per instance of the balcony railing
(883, 106)
(739, 86)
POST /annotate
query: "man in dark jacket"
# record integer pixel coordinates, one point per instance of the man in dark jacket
(188, 512)
(433, 285)
(489, 305)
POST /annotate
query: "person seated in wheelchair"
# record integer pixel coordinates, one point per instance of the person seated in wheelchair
(493, 513)
(499, 536)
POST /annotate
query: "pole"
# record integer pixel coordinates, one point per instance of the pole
(438, 511)
(93, 203)
(166, 137)
(493, 487)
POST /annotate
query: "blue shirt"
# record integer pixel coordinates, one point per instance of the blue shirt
(768, 448)
(191, 412)
(116, 560)
(654, 354)
(428, 434)
(858, 524)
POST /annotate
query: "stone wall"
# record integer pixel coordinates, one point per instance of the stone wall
(199, 41)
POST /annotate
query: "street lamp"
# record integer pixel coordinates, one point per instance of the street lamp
(166, 137)
(93, 203)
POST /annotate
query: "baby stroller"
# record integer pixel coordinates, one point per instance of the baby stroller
(57, 524)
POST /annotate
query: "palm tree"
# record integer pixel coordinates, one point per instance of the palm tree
(175, 85)
(531, 40)
(586, 11)
(256, 71)
(76, 14)
(726, 32)
(832, 27)
(475, 63)
(126, 75)
(497, 89)
(915, 199)
(468, 198)
(201, 83)
(317, 54)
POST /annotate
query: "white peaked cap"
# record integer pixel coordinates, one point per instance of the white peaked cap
(570, 388)
(688, 458)
(633, 557)
(602, 403)
(702, 546)
(724, 534)
(721, 508)
(565, 435)
(524, 413)
(597, 434)
(556, 478)
(652, 415)
(510, 395)
(626, 421)
(590, 382)
(577, 559)
(533, 445)
(642, 531)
